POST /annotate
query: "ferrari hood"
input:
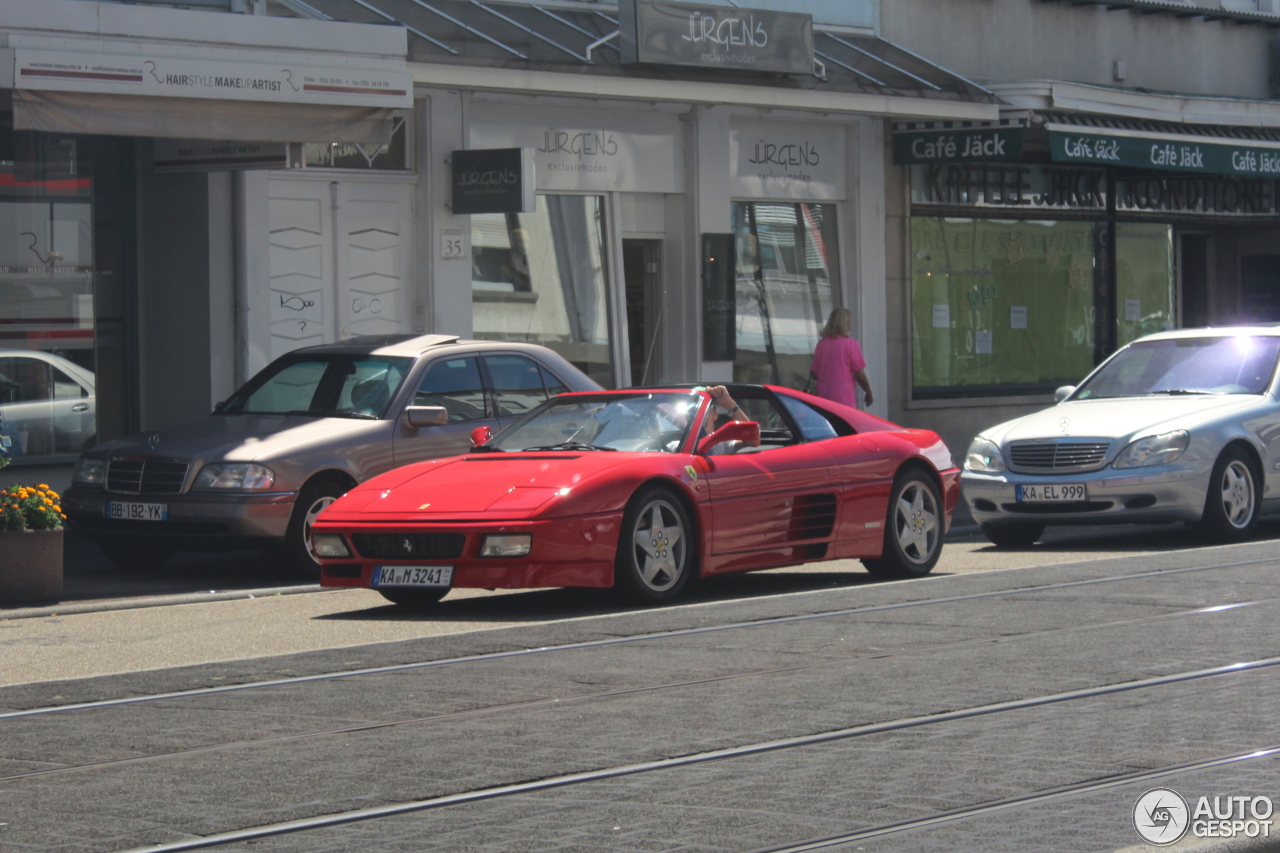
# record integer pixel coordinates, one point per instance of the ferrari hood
(509, 484)
(1116, 418)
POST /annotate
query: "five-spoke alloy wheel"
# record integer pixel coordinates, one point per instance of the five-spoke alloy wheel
(1231, 507)
(914, 527)
(655, 554)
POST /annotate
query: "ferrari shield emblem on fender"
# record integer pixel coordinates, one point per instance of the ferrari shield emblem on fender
(693, 474)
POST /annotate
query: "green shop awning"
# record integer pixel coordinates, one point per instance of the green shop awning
(1164, 151)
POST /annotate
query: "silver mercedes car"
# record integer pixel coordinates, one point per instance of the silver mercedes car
(1177, 426)
(311, 425)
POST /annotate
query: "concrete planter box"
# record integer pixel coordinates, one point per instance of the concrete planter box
(30, 565)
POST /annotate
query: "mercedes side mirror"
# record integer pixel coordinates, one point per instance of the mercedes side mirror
(219, 406)
(1063, 393)
(744, 431)
(481, 435)
(425, 416)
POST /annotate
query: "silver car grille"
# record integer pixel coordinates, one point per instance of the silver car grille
(146, 476)
(1057, 457)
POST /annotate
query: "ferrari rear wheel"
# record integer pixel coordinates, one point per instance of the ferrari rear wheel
(913, 528)
(655, 553)
(414, 597)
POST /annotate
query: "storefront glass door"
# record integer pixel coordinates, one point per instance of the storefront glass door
(787, 277)
(542, 278)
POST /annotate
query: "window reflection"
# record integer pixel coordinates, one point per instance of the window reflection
(542, 278)
(47, 383)
(787, 267)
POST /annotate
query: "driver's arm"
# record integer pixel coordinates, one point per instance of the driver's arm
(720, 397)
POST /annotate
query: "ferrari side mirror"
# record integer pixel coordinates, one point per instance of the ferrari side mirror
(425, 416)
(481, 435)
(744, 431)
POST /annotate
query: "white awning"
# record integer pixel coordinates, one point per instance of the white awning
(197, 118)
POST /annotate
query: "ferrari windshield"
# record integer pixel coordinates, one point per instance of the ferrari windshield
(322, 386)
(643, 422)
(1223, 364)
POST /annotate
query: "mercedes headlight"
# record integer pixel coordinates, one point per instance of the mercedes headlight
(984, 457)
(1154, 450)
(91, 472)
(238, 476)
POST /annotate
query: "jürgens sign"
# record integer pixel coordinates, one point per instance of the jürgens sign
(493, 180)
(666, 33)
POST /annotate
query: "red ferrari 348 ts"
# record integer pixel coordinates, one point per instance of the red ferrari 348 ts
(642, 490)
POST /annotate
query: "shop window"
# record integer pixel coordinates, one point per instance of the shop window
(1259, 287)
(1001, 307)
(542, 278)
(786, 280)
(47, 379)
(1144, 280)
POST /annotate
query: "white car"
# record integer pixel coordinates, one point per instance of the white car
(46, 405)
(1177, 426)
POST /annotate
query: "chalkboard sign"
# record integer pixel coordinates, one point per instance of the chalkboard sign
(493, 180)
(719, 304)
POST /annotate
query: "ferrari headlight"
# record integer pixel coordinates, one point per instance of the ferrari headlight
(506, 545)
(329, 545)
(984, 456)
(239, 476)
(1154, 450)
(91, 472)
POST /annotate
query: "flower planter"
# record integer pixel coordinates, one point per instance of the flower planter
(30, 565)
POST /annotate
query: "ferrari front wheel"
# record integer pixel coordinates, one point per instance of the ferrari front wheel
(655, 553)
(913, 528)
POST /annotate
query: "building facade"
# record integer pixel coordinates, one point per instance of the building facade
(193, 192)
(1129, 186)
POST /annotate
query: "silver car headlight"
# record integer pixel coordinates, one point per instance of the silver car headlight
(238, 476)
(984, 456)
(91, 472)
(1154, 450)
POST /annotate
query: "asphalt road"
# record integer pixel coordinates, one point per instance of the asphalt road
(261, 610)
(1021, 709)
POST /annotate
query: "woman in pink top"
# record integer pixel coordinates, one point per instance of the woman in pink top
(838, 361)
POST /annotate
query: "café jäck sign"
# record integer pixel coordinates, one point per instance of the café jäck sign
(970, 144)
(1247, 159)
(667, 33)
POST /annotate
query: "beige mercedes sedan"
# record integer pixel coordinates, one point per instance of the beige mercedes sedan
(314, 423)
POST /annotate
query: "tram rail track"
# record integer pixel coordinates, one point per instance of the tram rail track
(618, 692)
(772, 746)
(611, 641)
